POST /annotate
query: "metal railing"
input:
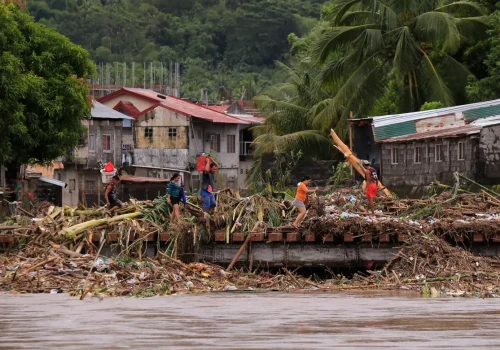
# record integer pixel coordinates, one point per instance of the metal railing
(246, 148)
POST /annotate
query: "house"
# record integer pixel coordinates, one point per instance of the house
(108, 138)
(169, 132)
(415, 149)
(246, 137)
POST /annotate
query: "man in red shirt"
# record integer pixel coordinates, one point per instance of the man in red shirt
(371, 179)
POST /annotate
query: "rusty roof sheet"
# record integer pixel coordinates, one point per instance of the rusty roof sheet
(139, 179)
(186, 107)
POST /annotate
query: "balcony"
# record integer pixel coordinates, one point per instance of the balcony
(246, 148)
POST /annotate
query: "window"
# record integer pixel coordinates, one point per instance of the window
(127, 147)
(461, 151)
(241, 171)
(90, 187)
(215, 142)
(394, 155)
(172, 133)
(246, 171)
(72, 184)
(91, 143)
(231, 144)
(438, 153)
(106, 143)
(148, 132)
(418, 155)
(127, 123)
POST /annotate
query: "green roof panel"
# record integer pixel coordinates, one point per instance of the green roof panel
(480, 113)
(394, 130)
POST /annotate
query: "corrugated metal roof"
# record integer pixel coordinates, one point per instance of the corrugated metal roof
(220, 109)
(484, 112)
(442, 133)
(53, 181)
(100, 111)
(187, 108)
(388, 126)
(249, 118)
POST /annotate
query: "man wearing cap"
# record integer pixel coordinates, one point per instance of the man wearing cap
(371, 179)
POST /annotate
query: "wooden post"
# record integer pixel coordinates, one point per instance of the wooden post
(351, 138)
(242, 248)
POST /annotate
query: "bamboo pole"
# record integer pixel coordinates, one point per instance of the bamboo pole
(351, 138)
(354, 161)
(242, 248)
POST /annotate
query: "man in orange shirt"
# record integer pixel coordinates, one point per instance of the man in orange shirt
(300, 200)
(371, 179)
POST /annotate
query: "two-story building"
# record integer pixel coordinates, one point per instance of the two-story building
(169, 132)
(108, 138)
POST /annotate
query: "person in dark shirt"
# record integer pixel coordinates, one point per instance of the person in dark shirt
(110, 195)
(207, 185)
(174, 197)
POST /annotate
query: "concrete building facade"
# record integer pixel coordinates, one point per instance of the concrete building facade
(169, 132)
(416, 149)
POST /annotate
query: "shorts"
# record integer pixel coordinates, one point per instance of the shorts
(208, 200)
(298, 204)
(371, 191)
(175, 200)
(113, 204)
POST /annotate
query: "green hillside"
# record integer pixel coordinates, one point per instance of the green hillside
(230, 43)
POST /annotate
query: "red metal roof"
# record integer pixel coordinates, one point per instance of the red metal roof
(128, 108)
(177, 105)
(220, 109)
(443, 133)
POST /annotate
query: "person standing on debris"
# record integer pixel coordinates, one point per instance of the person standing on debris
(110, 195)
(207, 185)
(371, 179)
(174, 197)
(301, 198)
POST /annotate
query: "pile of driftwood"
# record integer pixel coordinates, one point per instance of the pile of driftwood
(430, 265)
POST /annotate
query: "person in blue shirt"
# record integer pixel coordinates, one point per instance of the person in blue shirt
(174, 197)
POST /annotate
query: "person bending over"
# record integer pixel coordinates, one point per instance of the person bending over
(112, 203)
(301, 198)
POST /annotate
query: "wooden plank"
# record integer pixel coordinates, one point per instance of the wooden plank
(238, 237)
(6, 239)
(477, 237)
(328, 237)
(367, 237)
(310, 237)
(348, 237)
(402, 237)
(293, 237)
(113, 237)
(384, 238)
(164, 237)
(220, 236)
(458, 239)
(257, 236)
(276, 237)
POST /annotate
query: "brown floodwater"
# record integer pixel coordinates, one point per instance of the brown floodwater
(249, 321)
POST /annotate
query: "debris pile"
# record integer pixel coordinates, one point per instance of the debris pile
(432, 266)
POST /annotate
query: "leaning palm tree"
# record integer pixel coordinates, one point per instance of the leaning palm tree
(371, 42)
(288, 125)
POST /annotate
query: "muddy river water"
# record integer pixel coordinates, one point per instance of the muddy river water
(249, 321)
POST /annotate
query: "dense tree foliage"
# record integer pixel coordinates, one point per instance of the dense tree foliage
(229, 41)
(43, 94)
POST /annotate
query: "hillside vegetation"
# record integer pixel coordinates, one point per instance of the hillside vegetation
(230, 43)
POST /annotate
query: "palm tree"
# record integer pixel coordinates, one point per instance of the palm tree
(371, 42)
(288, 126)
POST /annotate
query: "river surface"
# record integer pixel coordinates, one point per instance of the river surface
(249, 321)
